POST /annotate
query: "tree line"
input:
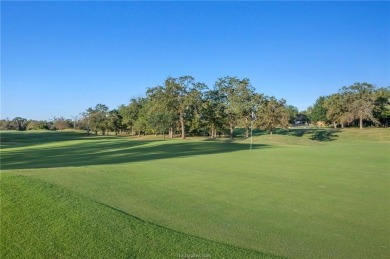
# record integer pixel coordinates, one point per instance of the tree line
(357, 105)
(186, 107)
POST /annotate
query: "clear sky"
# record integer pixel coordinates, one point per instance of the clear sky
(59, 58)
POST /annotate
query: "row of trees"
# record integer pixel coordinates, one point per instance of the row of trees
(184, 106)
(19, 123)
(360, 103)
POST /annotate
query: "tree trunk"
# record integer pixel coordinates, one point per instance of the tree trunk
(213, 131)
(334, 125)
(361, 120)
(183, 134)
(231, 131)
(170, 133)
(247, 129)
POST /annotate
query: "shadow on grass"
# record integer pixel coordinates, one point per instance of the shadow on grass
(321, 135)
(324, 135)
(98, 151)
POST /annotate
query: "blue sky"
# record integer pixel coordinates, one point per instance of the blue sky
(59, 58)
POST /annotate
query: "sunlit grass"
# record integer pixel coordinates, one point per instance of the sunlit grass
(40, 220)
(296, 194)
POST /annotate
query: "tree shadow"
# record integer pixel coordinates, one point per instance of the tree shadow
(98, 151)
(324, 135)
(321, 135)
(293, 132)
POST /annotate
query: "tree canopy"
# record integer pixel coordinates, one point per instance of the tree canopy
(184, 106)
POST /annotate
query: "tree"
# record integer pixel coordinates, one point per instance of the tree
(37, 125)
(130, 113)
(6, 124)
(213, 111)
(317, 113)
(176, 92)
(141, 122)
(161, 110)
(272, 113)
(19, 123)
(237, 98)
(382, 106)
(75, 121)
(179, 98)
(97, 118)
(360, 99)
(114, 121)
(336, 109)
(245, 97)
(183, 94)
(292, 111)
(60, 123)
(161, 121)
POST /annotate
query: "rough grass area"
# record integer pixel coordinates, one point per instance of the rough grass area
(301, 193)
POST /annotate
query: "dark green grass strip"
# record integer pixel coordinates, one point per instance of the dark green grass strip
(41, 220)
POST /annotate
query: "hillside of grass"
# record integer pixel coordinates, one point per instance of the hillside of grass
(301, 193)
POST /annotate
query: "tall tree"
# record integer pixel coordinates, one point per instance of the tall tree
(317, 112)
(114, 121)
(141, 106)
(360, 98)
(272, 113)
(180, 96)
(162, 109)
(213, 111)
(160, 121)
(237, 97)
(97, 118)
(19, 123)
(382, 106)
(336, 109)
(245, 98)
(130, 113)
(188, 95)
(195, 107)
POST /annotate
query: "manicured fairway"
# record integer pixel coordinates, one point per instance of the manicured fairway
(296, 194)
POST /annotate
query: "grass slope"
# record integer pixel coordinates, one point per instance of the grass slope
(299, 193)
(40, 220)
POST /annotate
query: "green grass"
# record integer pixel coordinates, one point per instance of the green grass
(41, 220)
(298, 193)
